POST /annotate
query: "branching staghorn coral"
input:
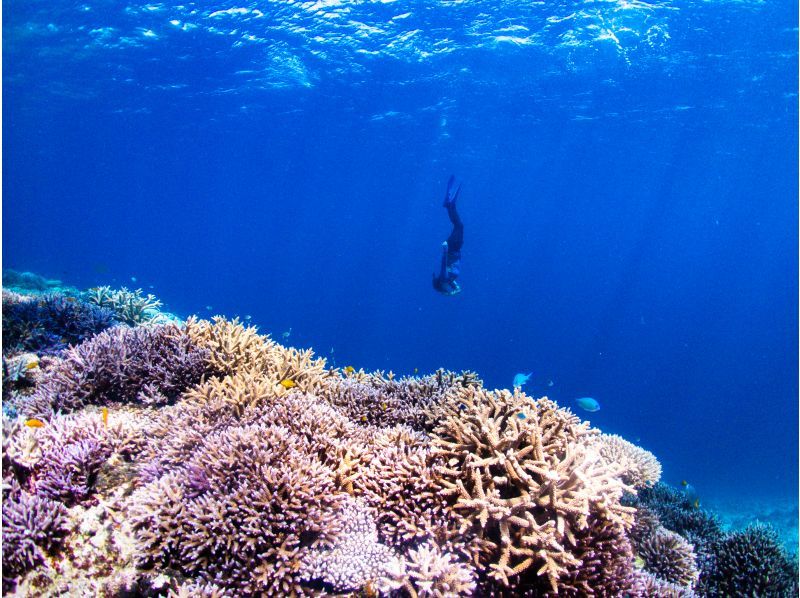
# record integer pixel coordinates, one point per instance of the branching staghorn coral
(380, 401)
(640, 468)
(519, 472)
(243, 399)
(397, 480)
(131, 306)
(48, 324)
(233, 348)
(148, 364)
(605, 563)
(68, 475)
(250, 504)
(32, 526)
(428, 572)
(648, 585)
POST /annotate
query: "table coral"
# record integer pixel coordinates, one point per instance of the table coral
(356, 558)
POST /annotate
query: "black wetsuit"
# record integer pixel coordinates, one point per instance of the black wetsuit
(450, 268)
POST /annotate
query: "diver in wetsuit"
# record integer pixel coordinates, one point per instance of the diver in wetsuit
(445, 281)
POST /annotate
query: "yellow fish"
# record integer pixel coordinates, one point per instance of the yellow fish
(696, 503)
(32, 365)
(34, 423)
(639, 562)
(349, 369)
(416, 370)
(104, 411)
(383, 406)
(288, 383)
(684, 483)
(363, 418)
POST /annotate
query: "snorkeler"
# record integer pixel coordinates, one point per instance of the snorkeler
(445, 281)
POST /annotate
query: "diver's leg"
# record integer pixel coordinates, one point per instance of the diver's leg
(456, 238)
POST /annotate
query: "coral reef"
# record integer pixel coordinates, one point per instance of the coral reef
(428, 572)
(27, 281)
(207, 460)
(669, 557)
(640, 468)
(32, 527)
(131, 307)
(749, 562)
(525, 480)
(251, 503)
(48, 324)
(148, 364)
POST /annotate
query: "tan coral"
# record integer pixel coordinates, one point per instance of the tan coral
(235, 348)
(640, 468)
(521, 474)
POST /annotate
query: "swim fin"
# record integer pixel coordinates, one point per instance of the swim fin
(450, 197)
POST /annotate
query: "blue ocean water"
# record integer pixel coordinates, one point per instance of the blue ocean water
(629, 194)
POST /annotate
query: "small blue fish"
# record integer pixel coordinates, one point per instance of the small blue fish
(521, 415)
(588, 404)
(521, 379)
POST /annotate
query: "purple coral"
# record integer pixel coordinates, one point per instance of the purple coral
(146, 364)
(31, 524)
(68, 473)
(50, 323)
(670, 557)
(749, 562)
(382, 401)
(250, 504)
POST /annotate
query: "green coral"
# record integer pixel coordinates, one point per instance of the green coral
(132, 306)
